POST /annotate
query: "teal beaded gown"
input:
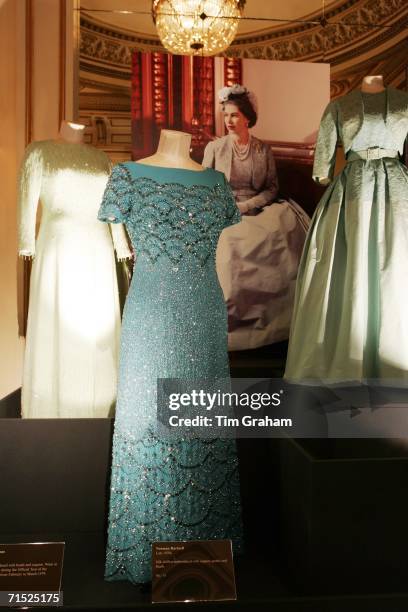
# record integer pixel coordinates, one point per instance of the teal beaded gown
(174, 326)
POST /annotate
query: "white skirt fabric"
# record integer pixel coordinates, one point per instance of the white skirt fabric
(73, 326)
(73, 330)
(257, 264)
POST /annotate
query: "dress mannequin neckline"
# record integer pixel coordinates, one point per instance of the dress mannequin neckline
(170, 168)
(373, 93)
(67, 142)
(173, 152)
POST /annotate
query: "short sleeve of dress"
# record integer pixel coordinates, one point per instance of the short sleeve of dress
(232, 213)
(117, 198)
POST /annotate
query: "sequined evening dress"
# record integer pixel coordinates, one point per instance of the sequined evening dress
(174, 325)
(73, 327)
(350, 321)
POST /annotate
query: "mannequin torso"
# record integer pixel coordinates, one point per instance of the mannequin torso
(173, 152)
(370, 84)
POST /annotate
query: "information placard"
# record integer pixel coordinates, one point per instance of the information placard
(201, 570)
(31, 572)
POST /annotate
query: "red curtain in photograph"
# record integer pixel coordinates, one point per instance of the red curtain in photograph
(203, 121)
(151, 100)
(174, 92)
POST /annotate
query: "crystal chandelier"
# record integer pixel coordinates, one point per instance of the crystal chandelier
(197, 27)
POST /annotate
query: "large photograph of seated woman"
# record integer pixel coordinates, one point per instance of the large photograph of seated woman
(257, 259)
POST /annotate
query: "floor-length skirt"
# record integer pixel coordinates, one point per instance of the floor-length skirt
(350, 321)
(257, 264)
(177, 488)
(73, 328)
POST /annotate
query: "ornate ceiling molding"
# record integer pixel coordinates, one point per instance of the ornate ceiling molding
(337, 43)
(102, 45)
(348, 11)
(353, 52)
(106, 53)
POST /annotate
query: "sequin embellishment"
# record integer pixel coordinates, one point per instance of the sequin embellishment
(169, 218)
(174, 325)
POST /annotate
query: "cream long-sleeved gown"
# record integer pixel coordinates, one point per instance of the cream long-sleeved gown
(73, 323)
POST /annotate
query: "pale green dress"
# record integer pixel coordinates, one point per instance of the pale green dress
(350, 319)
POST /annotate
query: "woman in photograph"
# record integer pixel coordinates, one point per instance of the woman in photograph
(257, 260)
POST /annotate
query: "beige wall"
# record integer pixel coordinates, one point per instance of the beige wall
(45, 81)
(291, 98)
(36, 92)
(11, 145)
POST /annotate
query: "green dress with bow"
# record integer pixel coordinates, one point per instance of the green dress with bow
(350, 321)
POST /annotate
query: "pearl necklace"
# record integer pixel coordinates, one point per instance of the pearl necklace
(241, 152)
